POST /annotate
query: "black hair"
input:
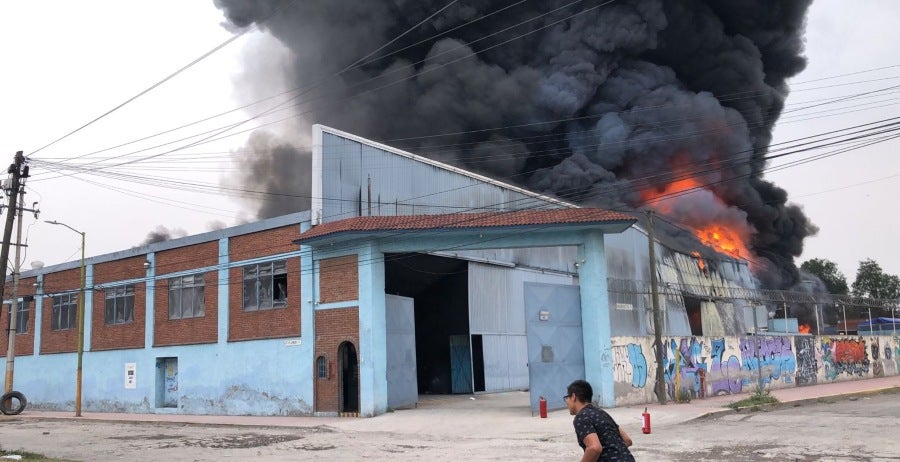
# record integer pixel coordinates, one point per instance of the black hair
(582, 390)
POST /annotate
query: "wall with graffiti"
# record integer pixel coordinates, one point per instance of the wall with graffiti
(697, 367)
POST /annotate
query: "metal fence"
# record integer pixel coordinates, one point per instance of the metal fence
(823, 313)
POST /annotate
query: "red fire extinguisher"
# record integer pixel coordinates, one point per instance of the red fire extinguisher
(542, 405)
(646, 427)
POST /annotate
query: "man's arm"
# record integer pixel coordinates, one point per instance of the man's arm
(625, 437)
(592, 448)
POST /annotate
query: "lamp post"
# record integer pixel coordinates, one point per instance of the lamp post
(80, 350)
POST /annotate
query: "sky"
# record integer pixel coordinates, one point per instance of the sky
(64, 69)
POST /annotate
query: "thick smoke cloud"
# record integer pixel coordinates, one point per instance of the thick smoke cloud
(162, 233)
(274, 174)
(599, 107)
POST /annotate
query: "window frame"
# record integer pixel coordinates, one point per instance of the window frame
(60, 304)
(322, 367)
(123, 292)
(189, 288)
(21, 316)
(265, 284)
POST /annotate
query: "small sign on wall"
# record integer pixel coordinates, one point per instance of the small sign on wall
(131, 375)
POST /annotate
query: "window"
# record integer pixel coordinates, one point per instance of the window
(21, 317)
(265, 286)
(65, 312)
(186, 297)
(321, 367)
(119, 305)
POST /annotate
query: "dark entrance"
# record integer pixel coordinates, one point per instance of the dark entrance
(349, 379)
(695, 318)
(440, 289)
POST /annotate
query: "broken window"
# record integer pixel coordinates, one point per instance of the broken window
(119, 305)
(65, 312)
(265, 286)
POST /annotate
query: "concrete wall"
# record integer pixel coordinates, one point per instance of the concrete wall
(737, 364)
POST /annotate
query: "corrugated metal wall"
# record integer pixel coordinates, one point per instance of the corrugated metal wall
(497, 313)
(363, 180)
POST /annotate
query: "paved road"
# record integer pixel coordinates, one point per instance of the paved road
(836, 429)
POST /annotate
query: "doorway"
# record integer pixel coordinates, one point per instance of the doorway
(348, 367)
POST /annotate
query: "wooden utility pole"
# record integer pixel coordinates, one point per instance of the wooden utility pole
(15, 171)
(657, 319)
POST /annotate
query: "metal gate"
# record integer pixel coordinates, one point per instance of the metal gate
(555, 346)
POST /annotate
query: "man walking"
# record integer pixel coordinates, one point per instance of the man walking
(598, 434)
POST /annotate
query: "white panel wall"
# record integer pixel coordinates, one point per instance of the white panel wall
(497, 313)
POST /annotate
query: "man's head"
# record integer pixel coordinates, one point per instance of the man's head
(578, 394)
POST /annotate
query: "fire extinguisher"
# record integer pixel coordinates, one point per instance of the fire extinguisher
(542, 405)
(646, 427)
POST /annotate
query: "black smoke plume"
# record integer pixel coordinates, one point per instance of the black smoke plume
(602, 102)
(162, 233)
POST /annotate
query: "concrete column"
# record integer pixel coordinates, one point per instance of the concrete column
(598, 368)
(150, 302)
(89, 305)
(38, 313)
(372, 332)
(307, 292)
(223, 286)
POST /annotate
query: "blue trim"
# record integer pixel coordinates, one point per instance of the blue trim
(222, 286)
(598, 367)
(150, 300)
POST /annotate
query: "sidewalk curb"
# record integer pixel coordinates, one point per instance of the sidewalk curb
(828, 399)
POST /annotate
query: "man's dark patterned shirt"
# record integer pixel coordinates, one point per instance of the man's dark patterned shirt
(594, 420)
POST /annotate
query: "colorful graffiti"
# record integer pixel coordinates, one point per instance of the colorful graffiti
(630, 365)
(807, 364)
(706, 366)
(770, 358)
(844, 356)
(682, 361)
(725, 374)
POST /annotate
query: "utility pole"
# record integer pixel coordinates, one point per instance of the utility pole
(15, 170)
(657, 324)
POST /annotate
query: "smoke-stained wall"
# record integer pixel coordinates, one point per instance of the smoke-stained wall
(601, 103)
(736, 364)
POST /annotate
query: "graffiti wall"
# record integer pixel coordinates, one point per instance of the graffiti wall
(697, 367)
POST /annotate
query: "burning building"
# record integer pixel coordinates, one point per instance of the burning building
(491, 241)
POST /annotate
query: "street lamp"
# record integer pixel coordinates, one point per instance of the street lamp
(80, 321)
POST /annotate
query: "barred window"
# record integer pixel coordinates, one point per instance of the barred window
(265, 286)
(186, 299)
(65, 312)
(21, 317)
(321, 367)
(119, 305)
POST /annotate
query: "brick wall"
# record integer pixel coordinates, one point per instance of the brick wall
(24, 342)
(203, 329)
(333, 327)
(338, 279)
(260, 244)
(119, 336)
(187, 258)
(59, 341)
(270, 323)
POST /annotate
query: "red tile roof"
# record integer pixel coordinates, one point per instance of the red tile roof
(467, 220)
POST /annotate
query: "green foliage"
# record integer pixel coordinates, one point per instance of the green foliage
(872, 282)
(29, 456)
(684, 396)
(759, 397)
(828, 272)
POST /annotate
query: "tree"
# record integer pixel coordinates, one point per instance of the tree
(828, 272)
(871, 281)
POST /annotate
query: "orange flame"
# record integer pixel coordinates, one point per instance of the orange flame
(719, 236)
(671, 190)
(723, 239)
(804, 328)
(700, 263)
